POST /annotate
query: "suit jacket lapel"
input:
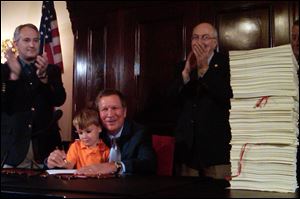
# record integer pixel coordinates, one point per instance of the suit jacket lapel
(214, 60)
(125, 135)
(104, 136)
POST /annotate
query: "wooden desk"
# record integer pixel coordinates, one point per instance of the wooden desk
(15, 185)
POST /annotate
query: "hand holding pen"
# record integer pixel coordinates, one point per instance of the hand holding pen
(57, 158)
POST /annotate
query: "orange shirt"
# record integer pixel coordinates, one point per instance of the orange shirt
(82, 155)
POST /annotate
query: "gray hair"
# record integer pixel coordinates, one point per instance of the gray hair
(20, 27)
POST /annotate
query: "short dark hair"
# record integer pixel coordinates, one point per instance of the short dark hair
(296, 23)
(20, 27)
(109, 92)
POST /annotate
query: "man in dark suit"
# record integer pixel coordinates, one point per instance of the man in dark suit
(31, 89)
(203, 132)
(135, 145)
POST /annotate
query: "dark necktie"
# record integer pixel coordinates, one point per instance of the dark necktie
(29, 70)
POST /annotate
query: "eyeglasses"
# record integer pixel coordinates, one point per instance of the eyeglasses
(204, 37)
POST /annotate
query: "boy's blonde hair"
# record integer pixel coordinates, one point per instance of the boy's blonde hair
(85, 118)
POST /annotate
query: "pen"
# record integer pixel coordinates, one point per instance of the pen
(63, 148)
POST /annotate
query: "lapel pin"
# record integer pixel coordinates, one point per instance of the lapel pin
(216, 65)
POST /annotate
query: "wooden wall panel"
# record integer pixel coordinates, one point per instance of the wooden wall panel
(96, 64)
(134, 46)
(89, 67)
(128, 79)
(80, 69)
(281, 25)
(160, 51)
(244, 29)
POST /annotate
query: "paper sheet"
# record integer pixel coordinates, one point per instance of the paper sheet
(61, 171)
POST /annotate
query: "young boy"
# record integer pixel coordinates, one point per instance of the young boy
(89, 149)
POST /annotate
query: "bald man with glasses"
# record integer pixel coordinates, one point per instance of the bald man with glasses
(203, 131)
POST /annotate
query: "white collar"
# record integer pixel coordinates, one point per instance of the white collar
(209, 59)
(116, 135)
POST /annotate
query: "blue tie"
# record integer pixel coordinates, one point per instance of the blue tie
(114, 154)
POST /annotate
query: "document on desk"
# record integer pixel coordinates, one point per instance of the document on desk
(61, 171)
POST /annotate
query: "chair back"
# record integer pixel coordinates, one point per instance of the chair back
(164, 147)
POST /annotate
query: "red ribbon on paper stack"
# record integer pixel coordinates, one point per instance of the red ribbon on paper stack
(261, 102)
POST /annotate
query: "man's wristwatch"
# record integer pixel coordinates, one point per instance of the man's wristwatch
(118, 166)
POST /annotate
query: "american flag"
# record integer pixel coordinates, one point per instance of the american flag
(49, 41)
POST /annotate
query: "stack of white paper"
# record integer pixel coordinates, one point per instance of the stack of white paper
(264, 119)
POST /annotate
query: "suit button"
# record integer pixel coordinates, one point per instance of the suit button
(194, 105)
(3, 87)
(30, 83)
(29, 126)
(192, 121)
